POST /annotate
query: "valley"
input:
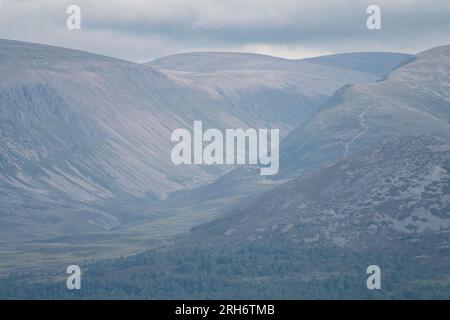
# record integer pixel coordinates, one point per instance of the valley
(85, 166)
(86, 178)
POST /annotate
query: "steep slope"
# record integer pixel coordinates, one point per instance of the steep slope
(82, 133)
(113, 118)
(390, 195)
(415, 98)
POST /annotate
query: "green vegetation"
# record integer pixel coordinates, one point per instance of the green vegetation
(253, 271)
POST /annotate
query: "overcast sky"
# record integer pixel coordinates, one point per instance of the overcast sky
(141, 30)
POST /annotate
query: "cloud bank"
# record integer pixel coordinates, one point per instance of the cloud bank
(141, 30)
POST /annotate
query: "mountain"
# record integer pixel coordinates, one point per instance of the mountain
(364, 180)
(414, 98)
(395, 192)
(85, 140)
(87, 126)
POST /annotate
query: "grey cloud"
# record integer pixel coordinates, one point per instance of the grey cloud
(181, 25)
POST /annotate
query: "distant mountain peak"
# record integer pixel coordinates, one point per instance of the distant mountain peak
(443, 50)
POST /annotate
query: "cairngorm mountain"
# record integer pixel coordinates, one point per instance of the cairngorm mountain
(364, 174)
(81, 132)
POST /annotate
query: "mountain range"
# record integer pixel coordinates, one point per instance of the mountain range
(85, 173)
(86, 138)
